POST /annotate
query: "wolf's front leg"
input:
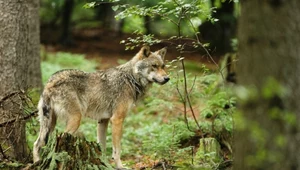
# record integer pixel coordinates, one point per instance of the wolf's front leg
(117, 125)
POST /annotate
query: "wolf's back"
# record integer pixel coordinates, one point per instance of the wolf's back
(59, 84)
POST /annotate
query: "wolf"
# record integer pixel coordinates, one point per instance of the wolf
(104, 95)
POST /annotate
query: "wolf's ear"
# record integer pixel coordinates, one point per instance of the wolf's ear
(162, 52)
(145, 51)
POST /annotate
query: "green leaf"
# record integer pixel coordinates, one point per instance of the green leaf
(115, 8)
(89, 5)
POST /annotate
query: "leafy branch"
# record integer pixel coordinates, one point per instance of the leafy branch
(175, 12)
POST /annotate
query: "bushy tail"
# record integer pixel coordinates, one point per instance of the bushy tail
(44, 108)
(47, 120)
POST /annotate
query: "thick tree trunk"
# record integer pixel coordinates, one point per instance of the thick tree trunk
(33, 45)
(268, 135)
(20, 69)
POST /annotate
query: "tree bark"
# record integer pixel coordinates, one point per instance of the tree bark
(33, 45)
(20, 69)
(267, 135)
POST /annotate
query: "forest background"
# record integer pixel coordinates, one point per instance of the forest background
(215, 64)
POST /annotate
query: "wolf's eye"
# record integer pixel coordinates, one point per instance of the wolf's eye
(155, 66)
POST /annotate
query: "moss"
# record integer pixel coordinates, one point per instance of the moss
(11, 165)
(65, 151)
(208, 150)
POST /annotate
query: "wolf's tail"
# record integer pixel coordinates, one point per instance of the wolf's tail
(47, 120)
(43, 107)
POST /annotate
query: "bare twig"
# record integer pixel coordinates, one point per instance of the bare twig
(9, 96)
(193, 85)
(206, 51)
(186, 93)
(186, 97)
(18, 119)
(184, 105)
(24, 99)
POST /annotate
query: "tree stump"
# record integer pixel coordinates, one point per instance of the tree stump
(68, 152)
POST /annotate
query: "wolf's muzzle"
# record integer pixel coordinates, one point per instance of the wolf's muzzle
(166, 79)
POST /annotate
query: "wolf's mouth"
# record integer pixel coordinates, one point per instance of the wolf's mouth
(159, 82)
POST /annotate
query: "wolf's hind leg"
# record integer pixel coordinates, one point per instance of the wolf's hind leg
(101, 133)
(47, 124)
(73, 122)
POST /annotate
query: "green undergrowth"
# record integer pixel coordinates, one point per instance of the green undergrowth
(53, 62)
(156, 129)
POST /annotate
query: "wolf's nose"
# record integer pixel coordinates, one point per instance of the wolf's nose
(166, 79)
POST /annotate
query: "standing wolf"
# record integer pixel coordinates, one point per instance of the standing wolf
(102, 95)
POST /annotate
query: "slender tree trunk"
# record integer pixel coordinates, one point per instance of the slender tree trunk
(107, 16)
(220, 33)
(66, 34)
(20, 69)
(268, 135)
(147, 24)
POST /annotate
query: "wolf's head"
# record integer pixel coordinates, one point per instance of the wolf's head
(151, 65)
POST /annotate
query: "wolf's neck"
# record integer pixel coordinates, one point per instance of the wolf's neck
(137, 83)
